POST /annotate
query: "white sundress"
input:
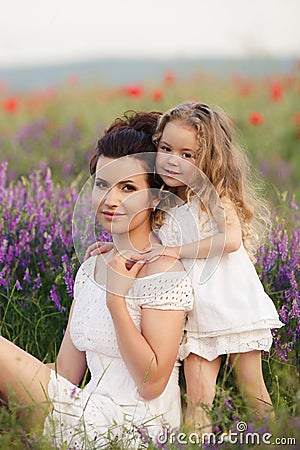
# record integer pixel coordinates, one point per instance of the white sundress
(232, 313)
(109, 406)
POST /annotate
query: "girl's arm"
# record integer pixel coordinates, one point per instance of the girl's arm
(70, 362)
(97, 248)
(228, 240)
(149, 355)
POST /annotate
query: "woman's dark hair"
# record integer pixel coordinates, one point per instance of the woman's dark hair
(131, 135)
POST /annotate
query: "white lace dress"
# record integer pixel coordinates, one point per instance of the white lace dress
(232, 313)
(109, 406)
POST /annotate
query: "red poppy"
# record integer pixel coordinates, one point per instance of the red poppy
(256, 118)
(134, 90)
(169, 77)
(276, 92)
(11, 105)
(157, 94)
(296, 118)
(245, 88)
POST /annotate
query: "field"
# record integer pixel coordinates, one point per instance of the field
(47, 137)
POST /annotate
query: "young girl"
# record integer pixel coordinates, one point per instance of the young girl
(232, 314)
(126, 320)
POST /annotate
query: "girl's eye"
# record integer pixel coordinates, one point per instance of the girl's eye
(164, 149)
(101, 184)
(187, 155)
(128, 188)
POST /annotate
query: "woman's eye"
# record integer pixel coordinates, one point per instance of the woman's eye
(101, 184)
(128, 188)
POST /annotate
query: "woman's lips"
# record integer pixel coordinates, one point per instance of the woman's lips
(111, 215)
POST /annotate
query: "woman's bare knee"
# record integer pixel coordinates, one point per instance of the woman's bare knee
(23, 380)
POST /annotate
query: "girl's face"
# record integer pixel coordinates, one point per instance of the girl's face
(121, 196)
(176, 156)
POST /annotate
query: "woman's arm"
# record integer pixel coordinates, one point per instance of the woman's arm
(149, 355)
(70, 362)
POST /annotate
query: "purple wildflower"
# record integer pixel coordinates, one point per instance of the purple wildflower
(294, 205)
(3, 174)
(26, 277)
(37, 283)
(228, 404)
(73, 392)
(68, 275)
(278, 264)
(144, 434)
(18, 286)
(55, 297)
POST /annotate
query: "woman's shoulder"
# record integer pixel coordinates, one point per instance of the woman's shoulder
(87, 267)
(86, 272)
(164, 284)
(160, 265)
(84, 275)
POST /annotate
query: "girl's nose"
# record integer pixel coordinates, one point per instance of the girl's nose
(173, 160)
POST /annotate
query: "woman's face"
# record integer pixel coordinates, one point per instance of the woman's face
(121, 196)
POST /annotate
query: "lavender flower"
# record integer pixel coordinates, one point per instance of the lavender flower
(278, 264)
(56, 298)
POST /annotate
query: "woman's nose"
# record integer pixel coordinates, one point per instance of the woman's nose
(111, 198)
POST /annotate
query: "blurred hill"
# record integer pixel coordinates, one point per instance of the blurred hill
(123, 71)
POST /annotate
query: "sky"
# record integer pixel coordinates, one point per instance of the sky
(34, 32)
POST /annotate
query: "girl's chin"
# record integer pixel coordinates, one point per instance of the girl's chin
(171, 180)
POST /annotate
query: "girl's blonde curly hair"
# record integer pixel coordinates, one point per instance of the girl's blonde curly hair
(225, 165)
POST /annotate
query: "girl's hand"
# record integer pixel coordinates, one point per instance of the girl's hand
(122, 270)
(97, 248)
(155, 251)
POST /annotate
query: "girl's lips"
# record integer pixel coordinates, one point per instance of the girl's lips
(170, 173)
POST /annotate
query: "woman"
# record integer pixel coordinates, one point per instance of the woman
(126, 319)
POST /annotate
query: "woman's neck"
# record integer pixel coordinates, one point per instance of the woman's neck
(136, 240)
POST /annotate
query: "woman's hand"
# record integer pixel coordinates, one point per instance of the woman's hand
(155, 251)
(122, 270)
(97, 248)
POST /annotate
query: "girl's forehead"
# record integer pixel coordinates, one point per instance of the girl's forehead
(178, 124)
(119, 169)
(181, 132)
